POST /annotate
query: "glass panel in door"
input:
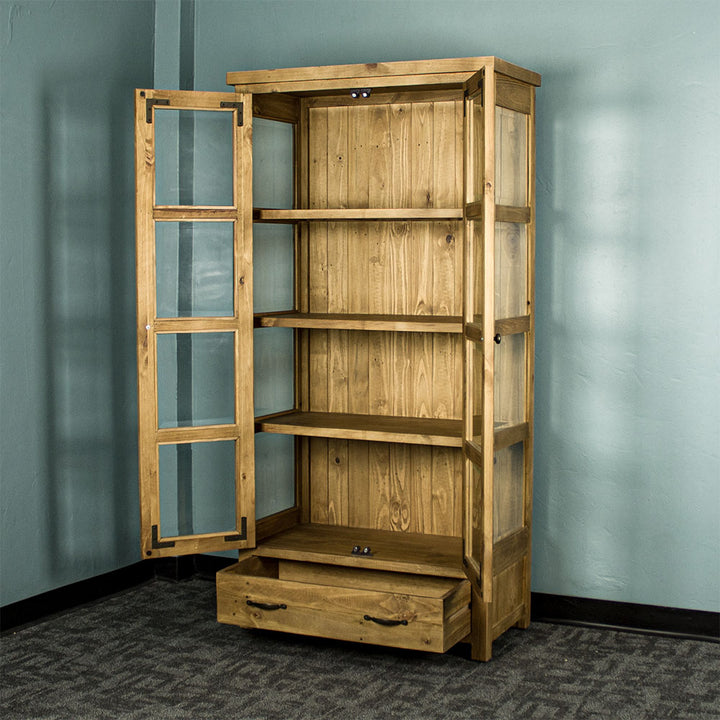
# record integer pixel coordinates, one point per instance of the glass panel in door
(511, 166)
(478, 324)
(194, 268)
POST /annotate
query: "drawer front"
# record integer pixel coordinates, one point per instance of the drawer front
(253, 594)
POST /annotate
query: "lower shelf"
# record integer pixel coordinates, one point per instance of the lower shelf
(391, 609)
(392, 551)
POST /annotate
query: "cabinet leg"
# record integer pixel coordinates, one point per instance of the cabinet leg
(524, 621)
(480, 632)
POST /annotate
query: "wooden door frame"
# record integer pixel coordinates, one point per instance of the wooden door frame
(241, 431)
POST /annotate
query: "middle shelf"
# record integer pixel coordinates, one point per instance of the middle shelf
(441, 432)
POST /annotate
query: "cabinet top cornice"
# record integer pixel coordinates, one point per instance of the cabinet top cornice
(445, 72)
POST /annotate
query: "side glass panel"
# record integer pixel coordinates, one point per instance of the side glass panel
(273, 166)
(475, 186)
(273, 260)
(511, 166)
(509, 381)
(475, 349)
(476, 238)
(477, 492)
(197, 488)
(274, 370)
(196, 379)
(508, 474)
(511, 270)
(273, 245)
(476, 396)
(194, 269)
(476, 519)
(275, 473)
(273, 268)
(193, 157)
(274, 392)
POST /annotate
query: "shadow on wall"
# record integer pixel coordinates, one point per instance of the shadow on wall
(90, 338)
(590, 395)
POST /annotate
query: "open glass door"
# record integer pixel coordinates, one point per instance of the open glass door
(498, 332)
(513, 366)
(195, 323)
(478, 333)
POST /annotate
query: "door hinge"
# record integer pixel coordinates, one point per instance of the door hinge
(476, 92)
(149, 102)
(242, 535)
(156, 544)
(238, 106)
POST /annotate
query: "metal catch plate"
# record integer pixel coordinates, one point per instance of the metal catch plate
(237, 106)
(157, 545)
(242, 535)
(149, 103)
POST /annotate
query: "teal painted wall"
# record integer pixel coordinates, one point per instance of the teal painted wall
(627, 466)
(68, 467)
(628, 425)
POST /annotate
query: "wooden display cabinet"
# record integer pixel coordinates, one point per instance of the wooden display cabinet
(413, 222)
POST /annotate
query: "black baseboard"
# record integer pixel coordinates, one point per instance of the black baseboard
(207, 565)
(696, 624)
(65, 598)
(174, 568)
(677, 622)
(183, 568)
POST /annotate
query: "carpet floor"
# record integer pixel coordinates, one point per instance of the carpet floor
(156, 651)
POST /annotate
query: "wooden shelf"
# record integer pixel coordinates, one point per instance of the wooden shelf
(507, 435)
(380, 428)
(336, 321)
(392, 551)
(293, 215)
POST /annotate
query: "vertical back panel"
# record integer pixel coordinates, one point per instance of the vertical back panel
(401, 154)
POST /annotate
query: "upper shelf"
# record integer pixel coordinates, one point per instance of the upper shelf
(288, 215)
(503, 213)
(339, 321)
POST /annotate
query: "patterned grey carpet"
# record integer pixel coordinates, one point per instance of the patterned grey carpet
(157, 652)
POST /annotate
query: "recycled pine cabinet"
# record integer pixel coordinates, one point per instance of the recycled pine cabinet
(412, 225)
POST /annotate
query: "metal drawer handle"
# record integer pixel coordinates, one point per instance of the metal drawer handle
(387, 623)
(267, 606)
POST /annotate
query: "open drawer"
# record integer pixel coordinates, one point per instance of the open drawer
(370, 606)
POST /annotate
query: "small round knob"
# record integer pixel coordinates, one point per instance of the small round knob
(356, 550)
(497, 338)
(366, 551)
